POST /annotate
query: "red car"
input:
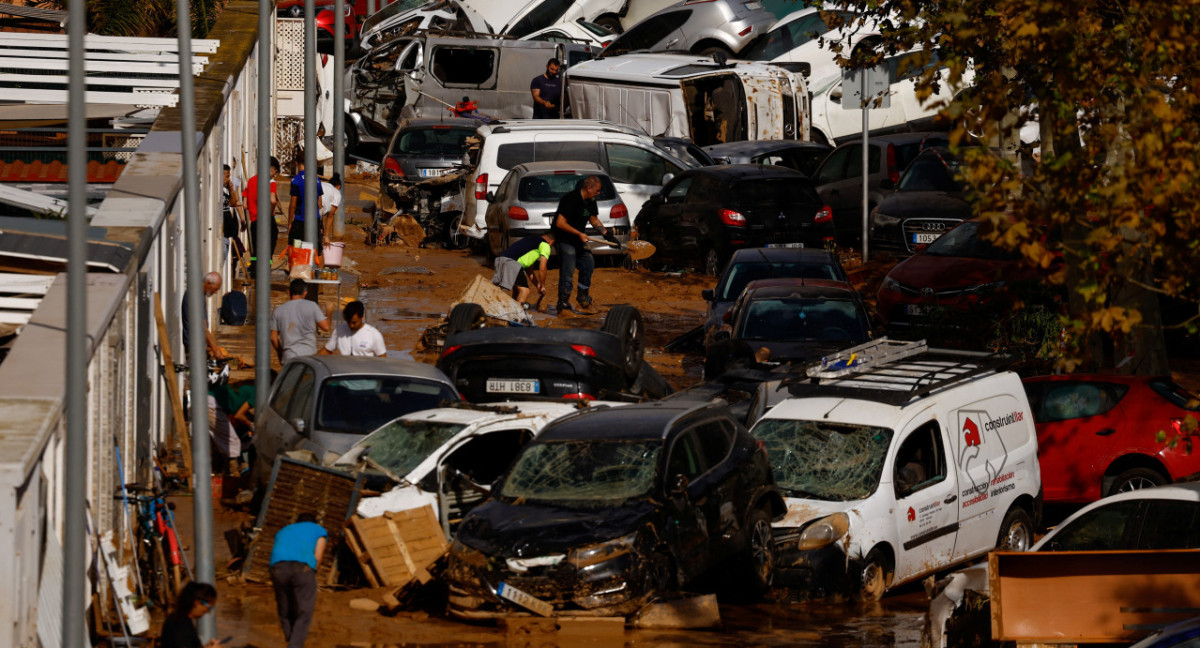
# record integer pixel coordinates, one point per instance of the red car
(1099, 434)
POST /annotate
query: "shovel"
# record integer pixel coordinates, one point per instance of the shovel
(637, 250)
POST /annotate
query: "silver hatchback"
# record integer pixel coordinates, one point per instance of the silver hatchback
(526, 203)
(702, 27)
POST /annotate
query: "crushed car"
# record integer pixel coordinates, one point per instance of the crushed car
(607, 509)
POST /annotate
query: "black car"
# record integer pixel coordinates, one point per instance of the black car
(804, 157)
(752, 264)
(423, 148)
(522, 362)
(609, 507)
(928, 202)
(704, 214)
(794, 320)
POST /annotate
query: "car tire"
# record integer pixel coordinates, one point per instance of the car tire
(714, 48)
(1135, 479)
(1016, 531)
(874, 578)
(610, 22)
(760, 551)
(465, 317)
(625, 322)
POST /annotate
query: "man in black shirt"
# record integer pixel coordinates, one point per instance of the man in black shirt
(575, 210)
(547, 92)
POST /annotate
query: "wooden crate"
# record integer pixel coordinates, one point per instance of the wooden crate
(397, 548)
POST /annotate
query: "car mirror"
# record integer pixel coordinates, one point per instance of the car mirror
(490, 196)
(679, 485)
(887, 184)
(836, 95)
(707, 294)
(299, 425)
(667, 177)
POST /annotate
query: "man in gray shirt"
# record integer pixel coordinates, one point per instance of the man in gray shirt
(294, 324)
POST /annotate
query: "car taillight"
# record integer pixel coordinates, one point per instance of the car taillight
(824, 215)
(448, 350)
(583, 349)
(517, 213)
(481, 186)
(605, 44)
(619, 211)
(579, 396)
(893, 169)
(392, 166)
(730, 217)
(1177, 423)
(746, 31)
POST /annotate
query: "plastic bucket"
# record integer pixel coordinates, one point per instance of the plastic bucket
(333, 254)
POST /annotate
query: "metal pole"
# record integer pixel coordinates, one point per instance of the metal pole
(339, 94)
(75, 479)
(266, 217)
(866, 170)
(311, 216)
(190, 210)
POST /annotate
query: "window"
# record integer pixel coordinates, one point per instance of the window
(287, 385)
(833, 169)
(298, 407)
(1101, 529)
(484, 458)
(716, 438)
(540, 17)
(552, 187)
(706, 190)
(648, 33)
(854, 161)
(1175, 394)
(774, 193)
(360, 404)
(686, 459)
(443, 142)
(463, 66)
(510, 155)
(633, 165)
(920, 461)
(1072, 400)
(928, 173)
(743, 273)
(1170, 524)
(679, 190)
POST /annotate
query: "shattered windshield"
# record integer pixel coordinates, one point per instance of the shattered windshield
(400, 446)
(583, 472)
(822, 460)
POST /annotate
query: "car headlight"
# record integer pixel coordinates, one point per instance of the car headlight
(985, 287)
(880, 219)
(600, 552)
(891, 284)
(827, 530)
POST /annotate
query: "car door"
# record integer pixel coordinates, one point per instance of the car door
(687, 521)
(659, 223)
(1079, 428)
(926, 490)
(1169, 524)
(698, 226)
(497, 213)
(832, 184)
(271, 426)
(728, 501)
(466, 471)
(301, 414)
(637, 172)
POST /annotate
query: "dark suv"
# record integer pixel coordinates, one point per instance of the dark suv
(704, 214)
(609, 507)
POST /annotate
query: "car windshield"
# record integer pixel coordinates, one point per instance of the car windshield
(688, 155)
(830, 320)
(394, 9)
(743, 273)
(551, 187)
(781, 40)
(774, 192)
(822, 460)
(963, 242)
(931, 173)
(444, 141)
(594, 28)
(400, 446)
(360, 404)
(587, 473)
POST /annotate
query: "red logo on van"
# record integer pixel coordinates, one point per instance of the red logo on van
(912, 515)
(971, 433)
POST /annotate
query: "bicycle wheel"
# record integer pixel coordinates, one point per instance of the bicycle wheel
(164, 594)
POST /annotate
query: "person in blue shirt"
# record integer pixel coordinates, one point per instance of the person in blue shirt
(294, 558)
(296, 213)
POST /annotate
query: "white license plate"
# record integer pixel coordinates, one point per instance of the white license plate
(785, 245)
(433, 173)
(513, 386)
(524, 599)
(924, 238)
(914, 309)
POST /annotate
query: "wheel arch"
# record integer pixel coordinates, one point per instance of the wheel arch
(711, 41)
(1128, 462)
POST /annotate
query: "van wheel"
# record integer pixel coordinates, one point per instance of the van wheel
(465, 317)
(875, 575)
(1135, 479)
(760, 551)
(611, 23)
(1016, 531)
(625, 322)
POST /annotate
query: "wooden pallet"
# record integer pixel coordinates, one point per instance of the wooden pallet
(397, 548)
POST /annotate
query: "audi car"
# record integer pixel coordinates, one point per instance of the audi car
(928, 201)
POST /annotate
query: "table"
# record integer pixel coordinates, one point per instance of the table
(330, 282)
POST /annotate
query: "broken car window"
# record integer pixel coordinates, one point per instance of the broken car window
(583, 472)
(463, 65)
(825, 461)
(400, 446)
(359, 404)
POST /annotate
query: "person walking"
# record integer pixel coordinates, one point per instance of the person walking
(575, 211)
(546, 89)
(295, 555)
(212, 285)
(264, 249)
(294, 324)
(354, 337)
(515, 267)
(179, 628)
(296, 214)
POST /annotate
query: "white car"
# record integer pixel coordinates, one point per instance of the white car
(803, 37)
(575, 31)
(1159, 518)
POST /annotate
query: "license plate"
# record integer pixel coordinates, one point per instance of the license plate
(524, 599)
(785, 245)
(914, 309)
(924, 238)
(433, 173)
(513, 386)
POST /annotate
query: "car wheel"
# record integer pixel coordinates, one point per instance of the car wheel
(349, 136)
(611, 23)
(465, 317)
(455, 238)
(625, 322)
(874, 577)
(1136, 479)
(760, 551)
(1016, 531)
(714, 49)
(712, 261)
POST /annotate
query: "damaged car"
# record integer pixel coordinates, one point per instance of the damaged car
(607, 508)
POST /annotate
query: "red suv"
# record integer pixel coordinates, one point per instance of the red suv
(1100, 434)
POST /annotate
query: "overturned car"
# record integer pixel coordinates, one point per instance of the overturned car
(607, 508)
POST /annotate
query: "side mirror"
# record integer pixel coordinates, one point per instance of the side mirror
(667, 177)
(836, 95)
(299, 425)
(707, 294)
(490, 196)
(887, 184)
(679, 485)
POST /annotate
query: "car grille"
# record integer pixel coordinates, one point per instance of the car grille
(915, 226)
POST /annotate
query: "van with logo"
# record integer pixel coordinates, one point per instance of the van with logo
(896, 461)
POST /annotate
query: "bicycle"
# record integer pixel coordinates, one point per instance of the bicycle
(159, 556)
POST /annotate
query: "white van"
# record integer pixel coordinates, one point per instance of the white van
(637, 166)
(679, 95)
(897, 461)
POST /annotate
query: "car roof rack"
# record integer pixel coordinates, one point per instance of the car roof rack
(894, 371)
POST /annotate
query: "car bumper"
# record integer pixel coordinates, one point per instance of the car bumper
(815, 573)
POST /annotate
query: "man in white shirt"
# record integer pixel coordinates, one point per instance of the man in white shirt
(331, 202)
(354, 337)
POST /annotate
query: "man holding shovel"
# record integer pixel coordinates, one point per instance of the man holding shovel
(515, 269)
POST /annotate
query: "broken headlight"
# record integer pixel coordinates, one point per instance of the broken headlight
(824, 531)
(600, 552)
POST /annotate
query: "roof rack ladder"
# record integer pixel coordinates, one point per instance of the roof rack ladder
(864, 356)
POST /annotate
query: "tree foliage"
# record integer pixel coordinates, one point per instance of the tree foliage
(146, 18)
(1112, 87)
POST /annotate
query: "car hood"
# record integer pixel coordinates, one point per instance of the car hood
(509, 530)
(926, 204)
(942, 272)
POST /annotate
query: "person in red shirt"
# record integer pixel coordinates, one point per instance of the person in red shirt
(251, 202)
